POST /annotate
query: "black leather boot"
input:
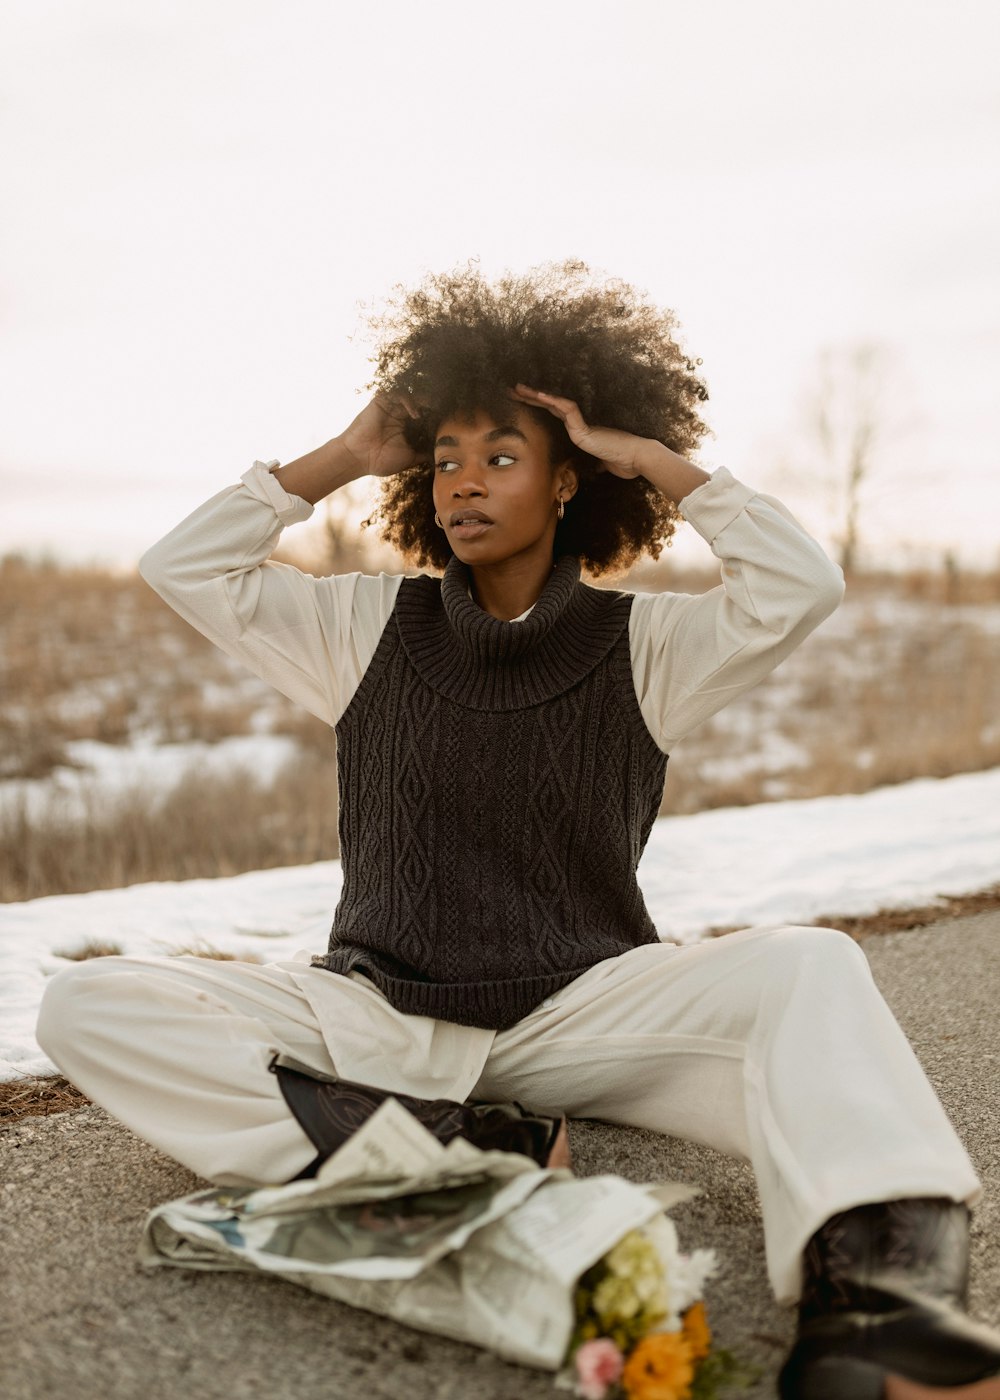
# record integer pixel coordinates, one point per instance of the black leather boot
(883, 1305)
(330, 1110)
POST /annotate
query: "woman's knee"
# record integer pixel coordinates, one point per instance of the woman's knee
(802, 952)
(820, 941)
(69, 1005)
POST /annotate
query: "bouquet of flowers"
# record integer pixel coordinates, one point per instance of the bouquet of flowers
(480, 1246)
(641, 1329)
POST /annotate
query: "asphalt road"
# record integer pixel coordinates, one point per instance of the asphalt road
(81, 1319)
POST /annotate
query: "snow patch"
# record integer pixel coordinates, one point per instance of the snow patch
(783, 862)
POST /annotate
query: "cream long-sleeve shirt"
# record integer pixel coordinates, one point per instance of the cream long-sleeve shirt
(313, 638)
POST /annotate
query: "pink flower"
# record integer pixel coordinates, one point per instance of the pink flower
(599, 1365)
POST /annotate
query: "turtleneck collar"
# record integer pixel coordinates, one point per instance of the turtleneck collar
(482, 662)
(496, 639)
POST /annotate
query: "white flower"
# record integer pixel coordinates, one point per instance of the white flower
(685, 1274)
(691, 1273)
(662, 1235)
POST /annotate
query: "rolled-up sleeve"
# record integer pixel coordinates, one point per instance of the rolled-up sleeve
(311, 638)
(691, 655)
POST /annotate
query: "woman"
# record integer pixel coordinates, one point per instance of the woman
(502, 737)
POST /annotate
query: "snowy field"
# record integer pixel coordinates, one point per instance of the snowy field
(98, 773)
(108, 692)
(786, 862)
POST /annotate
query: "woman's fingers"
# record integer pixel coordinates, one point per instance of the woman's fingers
(405, 400)
(376, 436)
(614, 449)
(566, 409)
(529, 395)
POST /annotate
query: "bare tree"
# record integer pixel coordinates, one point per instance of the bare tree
(346, 549)
(334, 542)
(847, 417)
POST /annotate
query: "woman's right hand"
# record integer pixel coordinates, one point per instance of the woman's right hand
(375, 438)
(372, 445)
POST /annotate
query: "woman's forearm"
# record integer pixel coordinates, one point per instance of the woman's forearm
(670, 473)
(320, 472)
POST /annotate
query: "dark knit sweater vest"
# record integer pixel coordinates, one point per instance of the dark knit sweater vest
(497, 787)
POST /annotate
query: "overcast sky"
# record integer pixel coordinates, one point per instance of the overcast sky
(199, 194)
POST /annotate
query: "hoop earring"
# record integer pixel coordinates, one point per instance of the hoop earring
(437, 521)
(562, 510)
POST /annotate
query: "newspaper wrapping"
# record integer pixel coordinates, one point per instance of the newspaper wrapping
(482, 1247)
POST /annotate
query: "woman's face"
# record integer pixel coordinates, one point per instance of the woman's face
(494, 487)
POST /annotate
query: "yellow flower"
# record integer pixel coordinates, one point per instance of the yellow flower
(629, 1254)
(697, 1332)
(660, 1368)
(615, 1300)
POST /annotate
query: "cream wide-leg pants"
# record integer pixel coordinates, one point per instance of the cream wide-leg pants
(772, 1044)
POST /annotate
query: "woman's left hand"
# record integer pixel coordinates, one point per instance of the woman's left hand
(618, 452)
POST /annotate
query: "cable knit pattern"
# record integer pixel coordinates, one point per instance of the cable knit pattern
(498, 785)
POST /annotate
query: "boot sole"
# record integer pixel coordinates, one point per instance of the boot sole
(848, 1379)
(899, 1388)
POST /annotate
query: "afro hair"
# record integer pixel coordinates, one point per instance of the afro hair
(456, 343)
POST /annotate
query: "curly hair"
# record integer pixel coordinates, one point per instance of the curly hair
(456, 343)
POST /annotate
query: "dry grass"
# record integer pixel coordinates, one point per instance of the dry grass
(205, 826)
(859, 926)
(28, 1097)
(903, 682)
(201, 948)
(951, 906)
(904, 691)
(93, 948)
(951, 586)
(89, 654)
